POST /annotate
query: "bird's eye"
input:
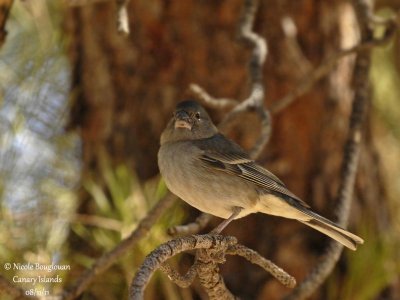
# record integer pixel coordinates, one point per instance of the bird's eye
(197, 116)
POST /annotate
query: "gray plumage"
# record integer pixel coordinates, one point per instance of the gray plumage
(215, 175)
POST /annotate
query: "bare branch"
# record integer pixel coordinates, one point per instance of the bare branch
(169, 249)
(208, 272)
(256, 41)
(199, 224)
(361, 102)
(265, 132)
(211, 101)
(255, 258)
(255, 102)
(300, 65)
(104, 262)
(211, 252)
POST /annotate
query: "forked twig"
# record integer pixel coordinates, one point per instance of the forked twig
(212, 249)
(255, 101)
(169, 249)
(255, 258)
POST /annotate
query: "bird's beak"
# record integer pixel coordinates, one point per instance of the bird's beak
(182, 120)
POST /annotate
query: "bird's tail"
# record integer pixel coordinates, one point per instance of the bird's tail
(291, 208)
(332, 230)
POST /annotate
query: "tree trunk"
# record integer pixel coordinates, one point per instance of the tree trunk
(126, 89)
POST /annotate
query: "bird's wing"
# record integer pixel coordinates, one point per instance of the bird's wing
(221, 154)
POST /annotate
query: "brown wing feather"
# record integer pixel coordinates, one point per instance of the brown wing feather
(226, 156)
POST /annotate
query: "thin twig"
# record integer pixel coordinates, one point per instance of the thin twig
(264, 135)
(104, 262)
(352, 147)
(300, 64)
(210, 100)
(199, 224)
(255, 102)
(255, 258)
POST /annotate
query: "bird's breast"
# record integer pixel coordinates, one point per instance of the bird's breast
(210, 191)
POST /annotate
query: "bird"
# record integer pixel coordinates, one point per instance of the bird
(215, 175)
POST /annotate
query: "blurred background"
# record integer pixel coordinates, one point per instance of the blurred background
(82, 109)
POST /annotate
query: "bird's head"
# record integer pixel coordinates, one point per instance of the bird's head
(190, 121)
